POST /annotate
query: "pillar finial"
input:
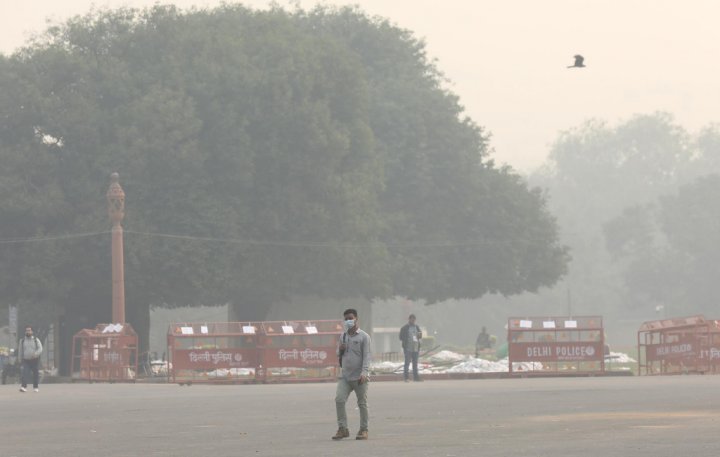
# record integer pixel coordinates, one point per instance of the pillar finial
(116, 200)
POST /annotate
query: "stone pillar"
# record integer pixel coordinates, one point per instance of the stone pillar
(116, 210)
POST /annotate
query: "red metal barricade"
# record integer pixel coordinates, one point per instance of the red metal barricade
(679, 345)
(107, 353)
(556, 345)
(220, 352)
(241, 352)
(299, 350)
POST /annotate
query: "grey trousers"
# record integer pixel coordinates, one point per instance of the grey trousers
(344, 388)
(30, 371)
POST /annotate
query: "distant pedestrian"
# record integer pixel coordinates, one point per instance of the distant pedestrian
(354, 354)
(29, 350)
(410, 336)
(482, 342)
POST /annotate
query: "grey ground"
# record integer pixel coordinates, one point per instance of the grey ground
(626, 416)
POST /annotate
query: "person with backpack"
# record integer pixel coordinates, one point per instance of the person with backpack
(354, 353)
(410, 336)
(28, 354)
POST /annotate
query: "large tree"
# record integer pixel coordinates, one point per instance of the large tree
(669, 250)
(297, 153)
(603, 183)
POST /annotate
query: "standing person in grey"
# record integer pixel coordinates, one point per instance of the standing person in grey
(410, 335)
(29, 350)
(354, 354)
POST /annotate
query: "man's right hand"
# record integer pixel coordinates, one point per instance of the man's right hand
(343, 346)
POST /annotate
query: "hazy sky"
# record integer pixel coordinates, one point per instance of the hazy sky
(506, 59)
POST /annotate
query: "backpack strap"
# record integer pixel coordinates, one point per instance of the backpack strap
(342, 338)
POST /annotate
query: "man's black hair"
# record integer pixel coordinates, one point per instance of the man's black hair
(412, 316)
(350, 311)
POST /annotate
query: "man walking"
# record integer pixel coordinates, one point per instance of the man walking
(410, 335)
(354, 354)
(29, 350)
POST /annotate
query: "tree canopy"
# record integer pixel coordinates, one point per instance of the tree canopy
(264, 154)
(625, 196)
(668, 249)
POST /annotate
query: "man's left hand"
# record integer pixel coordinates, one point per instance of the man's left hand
(362, 380)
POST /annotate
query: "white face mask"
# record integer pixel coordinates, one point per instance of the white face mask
(350, 323)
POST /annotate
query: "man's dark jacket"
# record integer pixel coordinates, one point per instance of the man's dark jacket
(404, 335)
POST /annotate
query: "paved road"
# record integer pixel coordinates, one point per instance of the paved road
(616, 417)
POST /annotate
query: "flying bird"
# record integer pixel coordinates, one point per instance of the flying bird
(578, 62)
